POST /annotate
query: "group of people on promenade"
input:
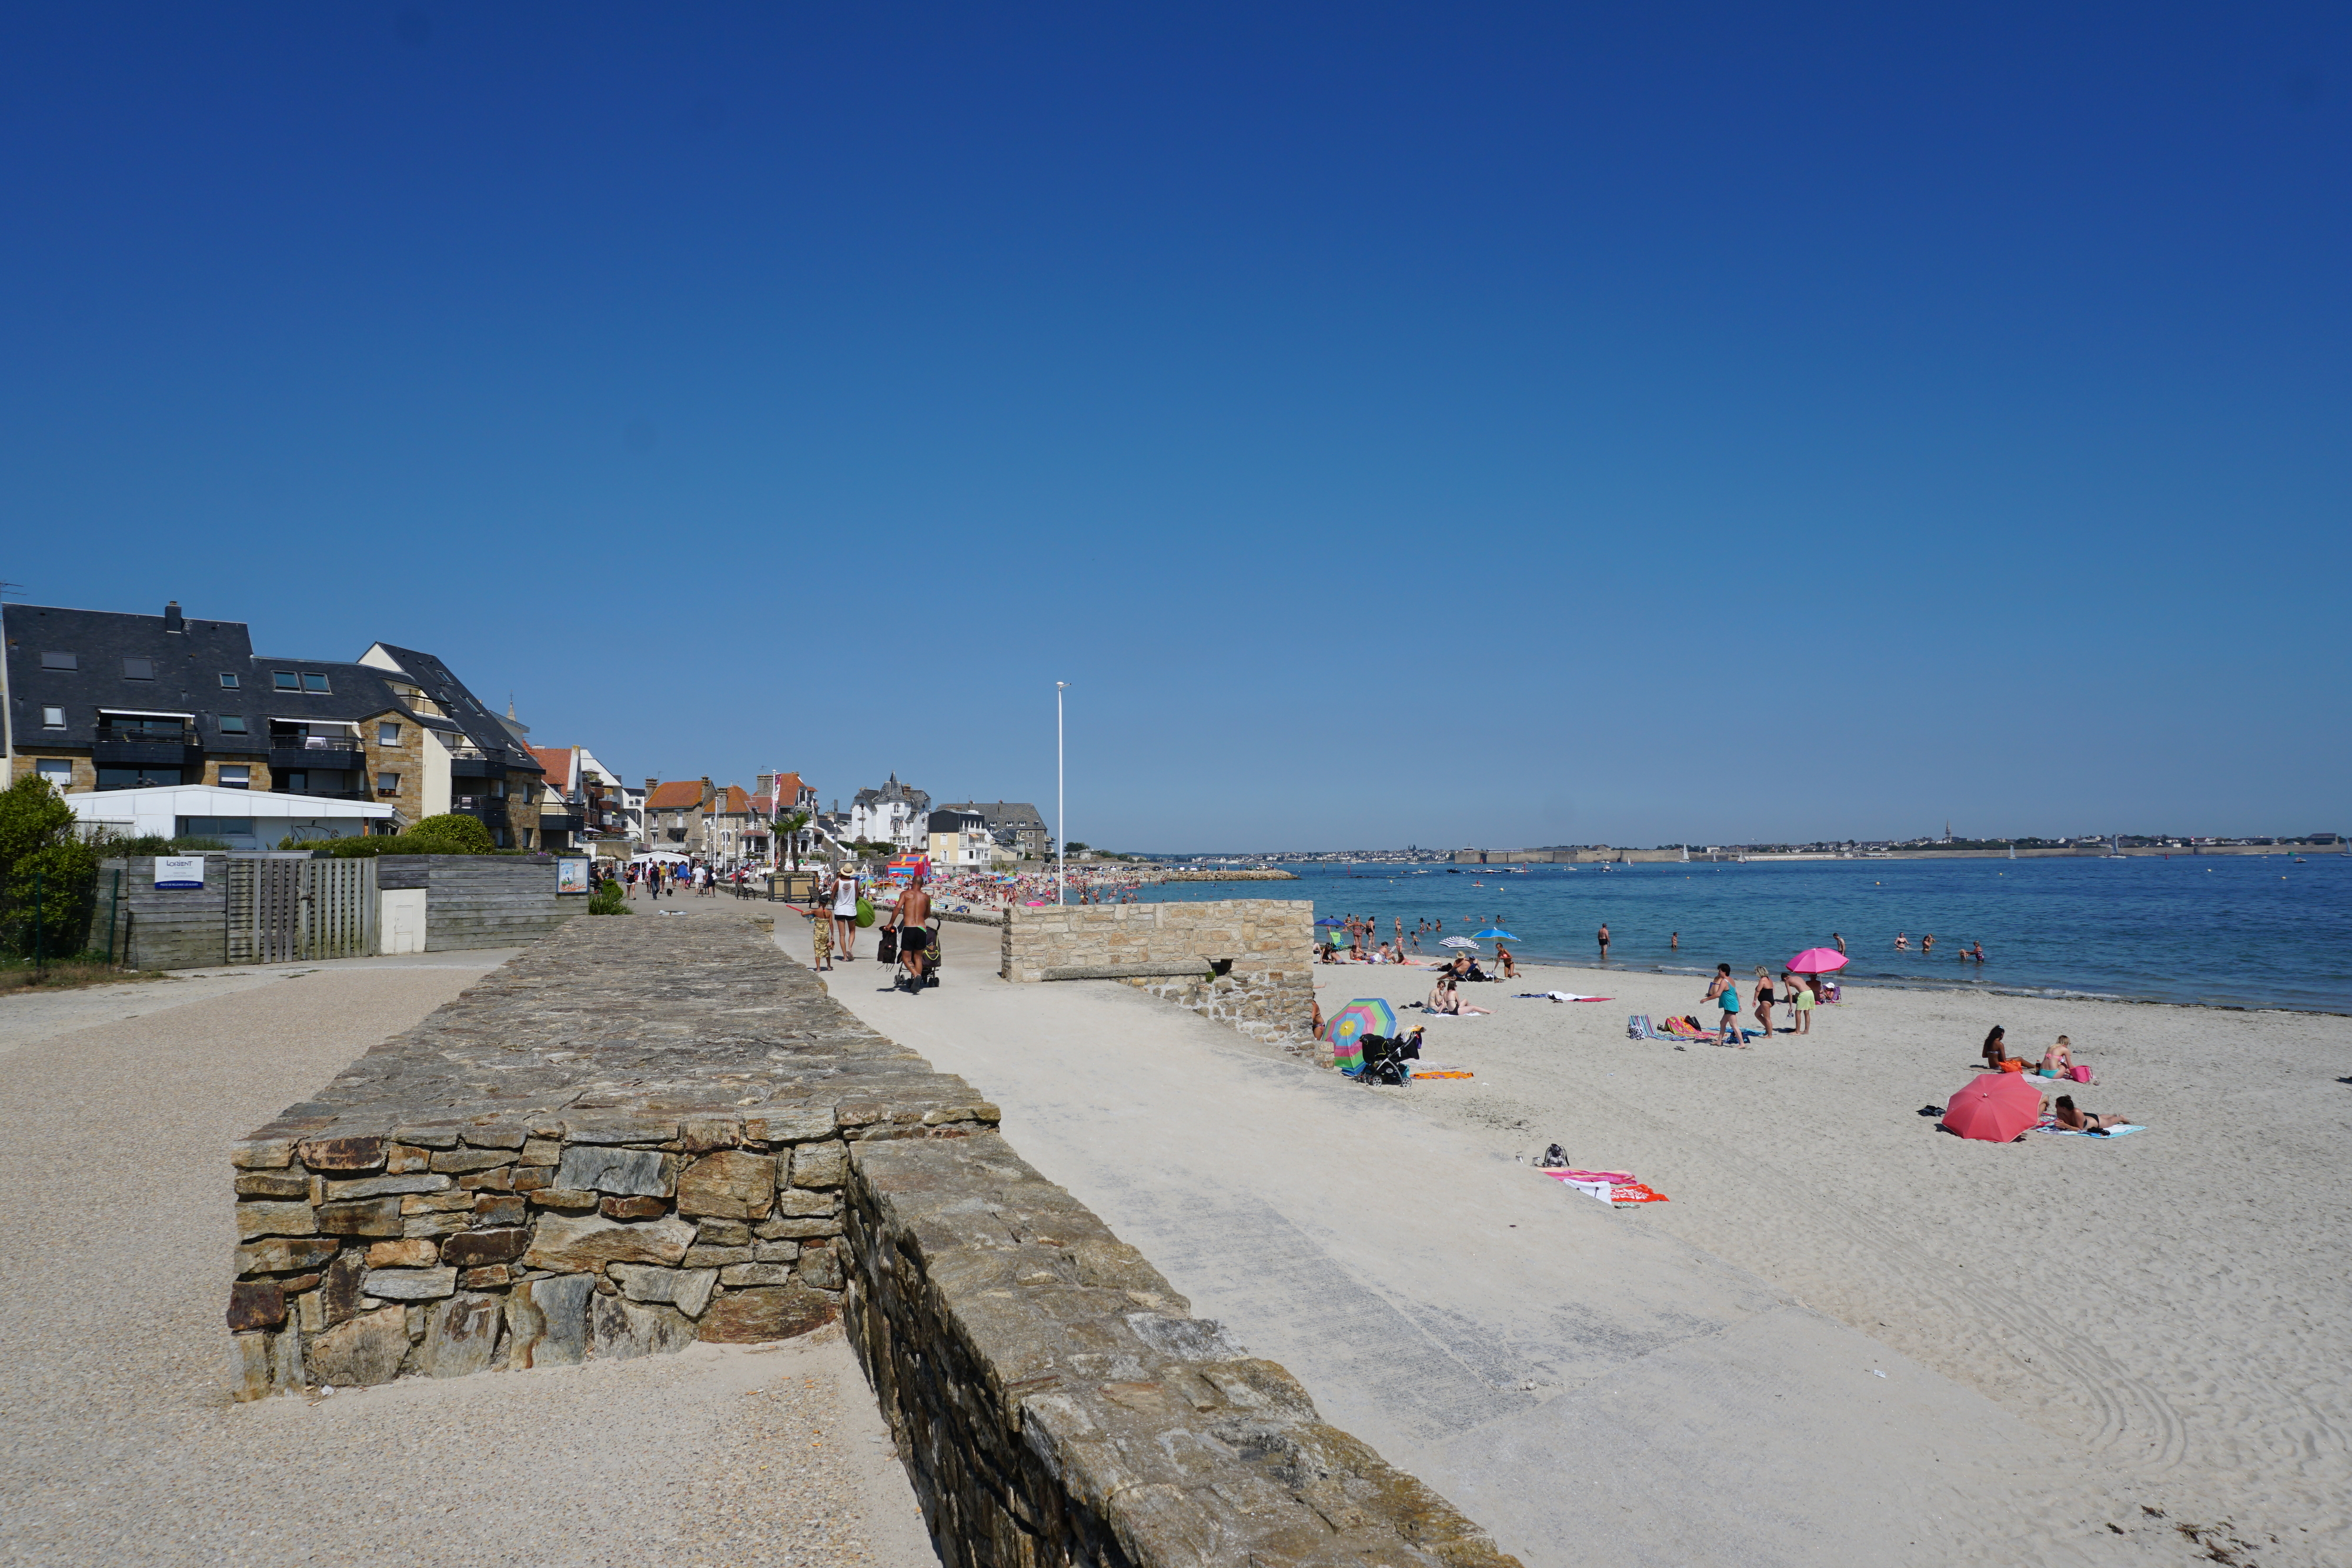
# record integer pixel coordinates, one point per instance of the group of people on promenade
(653, 878)
(841, 904)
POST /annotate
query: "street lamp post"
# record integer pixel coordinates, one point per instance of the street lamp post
(1061, 810)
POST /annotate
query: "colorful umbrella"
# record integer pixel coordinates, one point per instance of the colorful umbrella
(1817, 961)
(1995, 1107)
(1460, 941)
(1497, 933)
(1330, 920)
(1365, 1014)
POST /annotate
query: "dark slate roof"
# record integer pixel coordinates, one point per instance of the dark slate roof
(483, 727)
(1003, 816)
(952, 820)
(893, 791)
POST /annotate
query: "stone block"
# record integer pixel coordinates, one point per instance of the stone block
(494, 1136)
(731, 1185)
(533, 1178)
(430, 1137)
(368, 1217)
(256, 1304)
(402, 1159)
(496, 1210)
(416, 1225)
(766, 1313)
(409, 1284)
(420, 1253)
(588, 1242)
(626, 1173)
(338, 1288)
(739, 1274)
(700, 1134)
(716, 1257)
(798, 1203)
(821, 1268)
(623, 1329)
(449, 1161)
(308, 1311)
(248, 1366)
(542, 1151)
(621, 1127)
(274, 1183)
(548, 1320)
(473, 1249)
(489, 1277)
(451, 1202)
(498, 1180)
(341, 1153)
(722, 1233)
(819, 1164)
(783, 1230)
(775, 1251)
(261, 1154)
(463, 1334)
(258, 1220)
(284, 1254)
(564, 1198)
(365, 1351)
(789, 1126)
(632, 1208)
(687, 1290)
(384, 1185)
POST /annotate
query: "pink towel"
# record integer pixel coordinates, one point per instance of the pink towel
(1614, 1179)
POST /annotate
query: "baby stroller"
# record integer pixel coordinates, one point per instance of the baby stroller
(1387, 1061)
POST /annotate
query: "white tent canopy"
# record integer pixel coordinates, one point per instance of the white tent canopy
(242, 819)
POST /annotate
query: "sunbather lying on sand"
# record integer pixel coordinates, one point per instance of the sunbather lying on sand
(1443, 997)
(2075, 1121)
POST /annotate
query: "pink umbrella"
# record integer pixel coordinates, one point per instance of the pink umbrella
(1995, 1107)
(1816, 961)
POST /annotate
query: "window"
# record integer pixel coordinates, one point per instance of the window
(236, 776)
(59, 661)
(138, 669)
(232, 724)
(53, 719)
(387, 783)
(56, 771)
(387, 735)
(314, 682)
(216, 827)
(526, 838)
(136, 778)
(285, 681)
(228, 681)
(499, 789)
(499, 836)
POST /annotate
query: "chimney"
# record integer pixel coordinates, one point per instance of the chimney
(172, 621)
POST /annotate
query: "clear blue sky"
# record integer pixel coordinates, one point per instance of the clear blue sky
(1439, 424)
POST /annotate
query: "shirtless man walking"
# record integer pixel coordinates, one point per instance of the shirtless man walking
(914, 933)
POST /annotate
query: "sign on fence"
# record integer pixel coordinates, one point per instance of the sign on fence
(179, 874)
(570, 876)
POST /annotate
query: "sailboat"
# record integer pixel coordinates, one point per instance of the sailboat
(2115, 849)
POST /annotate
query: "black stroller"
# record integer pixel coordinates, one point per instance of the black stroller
(931, 960)
(1387, 1061)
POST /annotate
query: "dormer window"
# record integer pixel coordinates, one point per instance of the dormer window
(311, 682)
(228, 681)
(59, 661)
(138, 669)
(285, 681)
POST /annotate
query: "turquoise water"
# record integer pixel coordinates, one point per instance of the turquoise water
(2225, 931)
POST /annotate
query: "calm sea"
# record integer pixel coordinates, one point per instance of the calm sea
(2221, 930)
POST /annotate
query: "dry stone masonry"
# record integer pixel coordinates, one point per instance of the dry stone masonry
(1245, 961)
(644, 1132)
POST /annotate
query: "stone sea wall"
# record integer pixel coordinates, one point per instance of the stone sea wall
(1056, 1402)
(631, 1137)
(1245, 961)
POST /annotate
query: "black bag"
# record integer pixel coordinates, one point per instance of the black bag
(885, 949)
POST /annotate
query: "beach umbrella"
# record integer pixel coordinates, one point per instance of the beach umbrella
(1995, 1106)
(1330, 920)
(1497, 933)
(1365, 1014)
(1461, 941)
(1816, 961)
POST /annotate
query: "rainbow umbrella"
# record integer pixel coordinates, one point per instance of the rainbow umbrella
(1365, 1014)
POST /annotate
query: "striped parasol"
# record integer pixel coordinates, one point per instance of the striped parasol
(1365, 1014)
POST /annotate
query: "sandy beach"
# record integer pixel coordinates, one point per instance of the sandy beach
(2172, 1304)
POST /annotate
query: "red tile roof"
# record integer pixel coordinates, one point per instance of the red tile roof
(557, 761)
(678, 795)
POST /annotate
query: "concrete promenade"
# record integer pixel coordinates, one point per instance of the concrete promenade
(121, 1445)
(1589, 1388)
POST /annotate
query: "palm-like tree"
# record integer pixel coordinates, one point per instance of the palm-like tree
(788, 831)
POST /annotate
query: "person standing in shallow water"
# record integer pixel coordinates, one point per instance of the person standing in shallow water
(1674, 942)
(1604, 941)
(1838, 940)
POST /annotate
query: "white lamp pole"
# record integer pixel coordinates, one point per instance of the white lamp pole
(1061, 810)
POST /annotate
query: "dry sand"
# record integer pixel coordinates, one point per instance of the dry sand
(2173, 1304)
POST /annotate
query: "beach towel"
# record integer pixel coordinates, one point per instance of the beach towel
(1593, 1189)
(2124, 1131)
(1607, 1178)
(1560, 996)
(1635, 1192)
(1439, 1070)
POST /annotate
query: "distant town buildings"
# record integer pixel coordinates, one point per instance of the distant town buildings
(892, 814)
(1014, 824)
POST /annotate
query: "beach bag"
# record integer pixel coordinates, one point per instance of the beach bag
(885, 950)
(2012, 1064)
(2079, 1074)
(865, 914)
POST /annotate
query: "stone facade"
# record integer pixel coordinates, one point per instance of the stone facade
(1246, 962)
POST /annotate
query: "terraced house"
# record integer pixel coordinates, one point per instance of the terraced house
(104, 700)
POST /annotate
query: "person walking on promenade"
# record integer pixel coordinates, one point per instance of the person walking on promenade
(911, 918)
(1725, 994)
(844, 911)
(819, 937)
(1604, 941)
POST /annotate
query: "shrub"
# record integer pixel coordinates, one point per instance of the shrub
(610, 898)
(48, 874)
(465, 835)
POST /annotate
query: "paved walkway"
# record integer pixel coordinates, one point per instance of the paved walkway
(1588, 1388)
(117, 1106)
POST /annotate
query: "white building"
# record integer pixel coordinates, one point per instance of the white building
(894, 814)
(242, 819)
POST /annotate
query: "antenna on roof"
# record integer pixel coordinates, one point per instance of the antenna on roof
(510, 704)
